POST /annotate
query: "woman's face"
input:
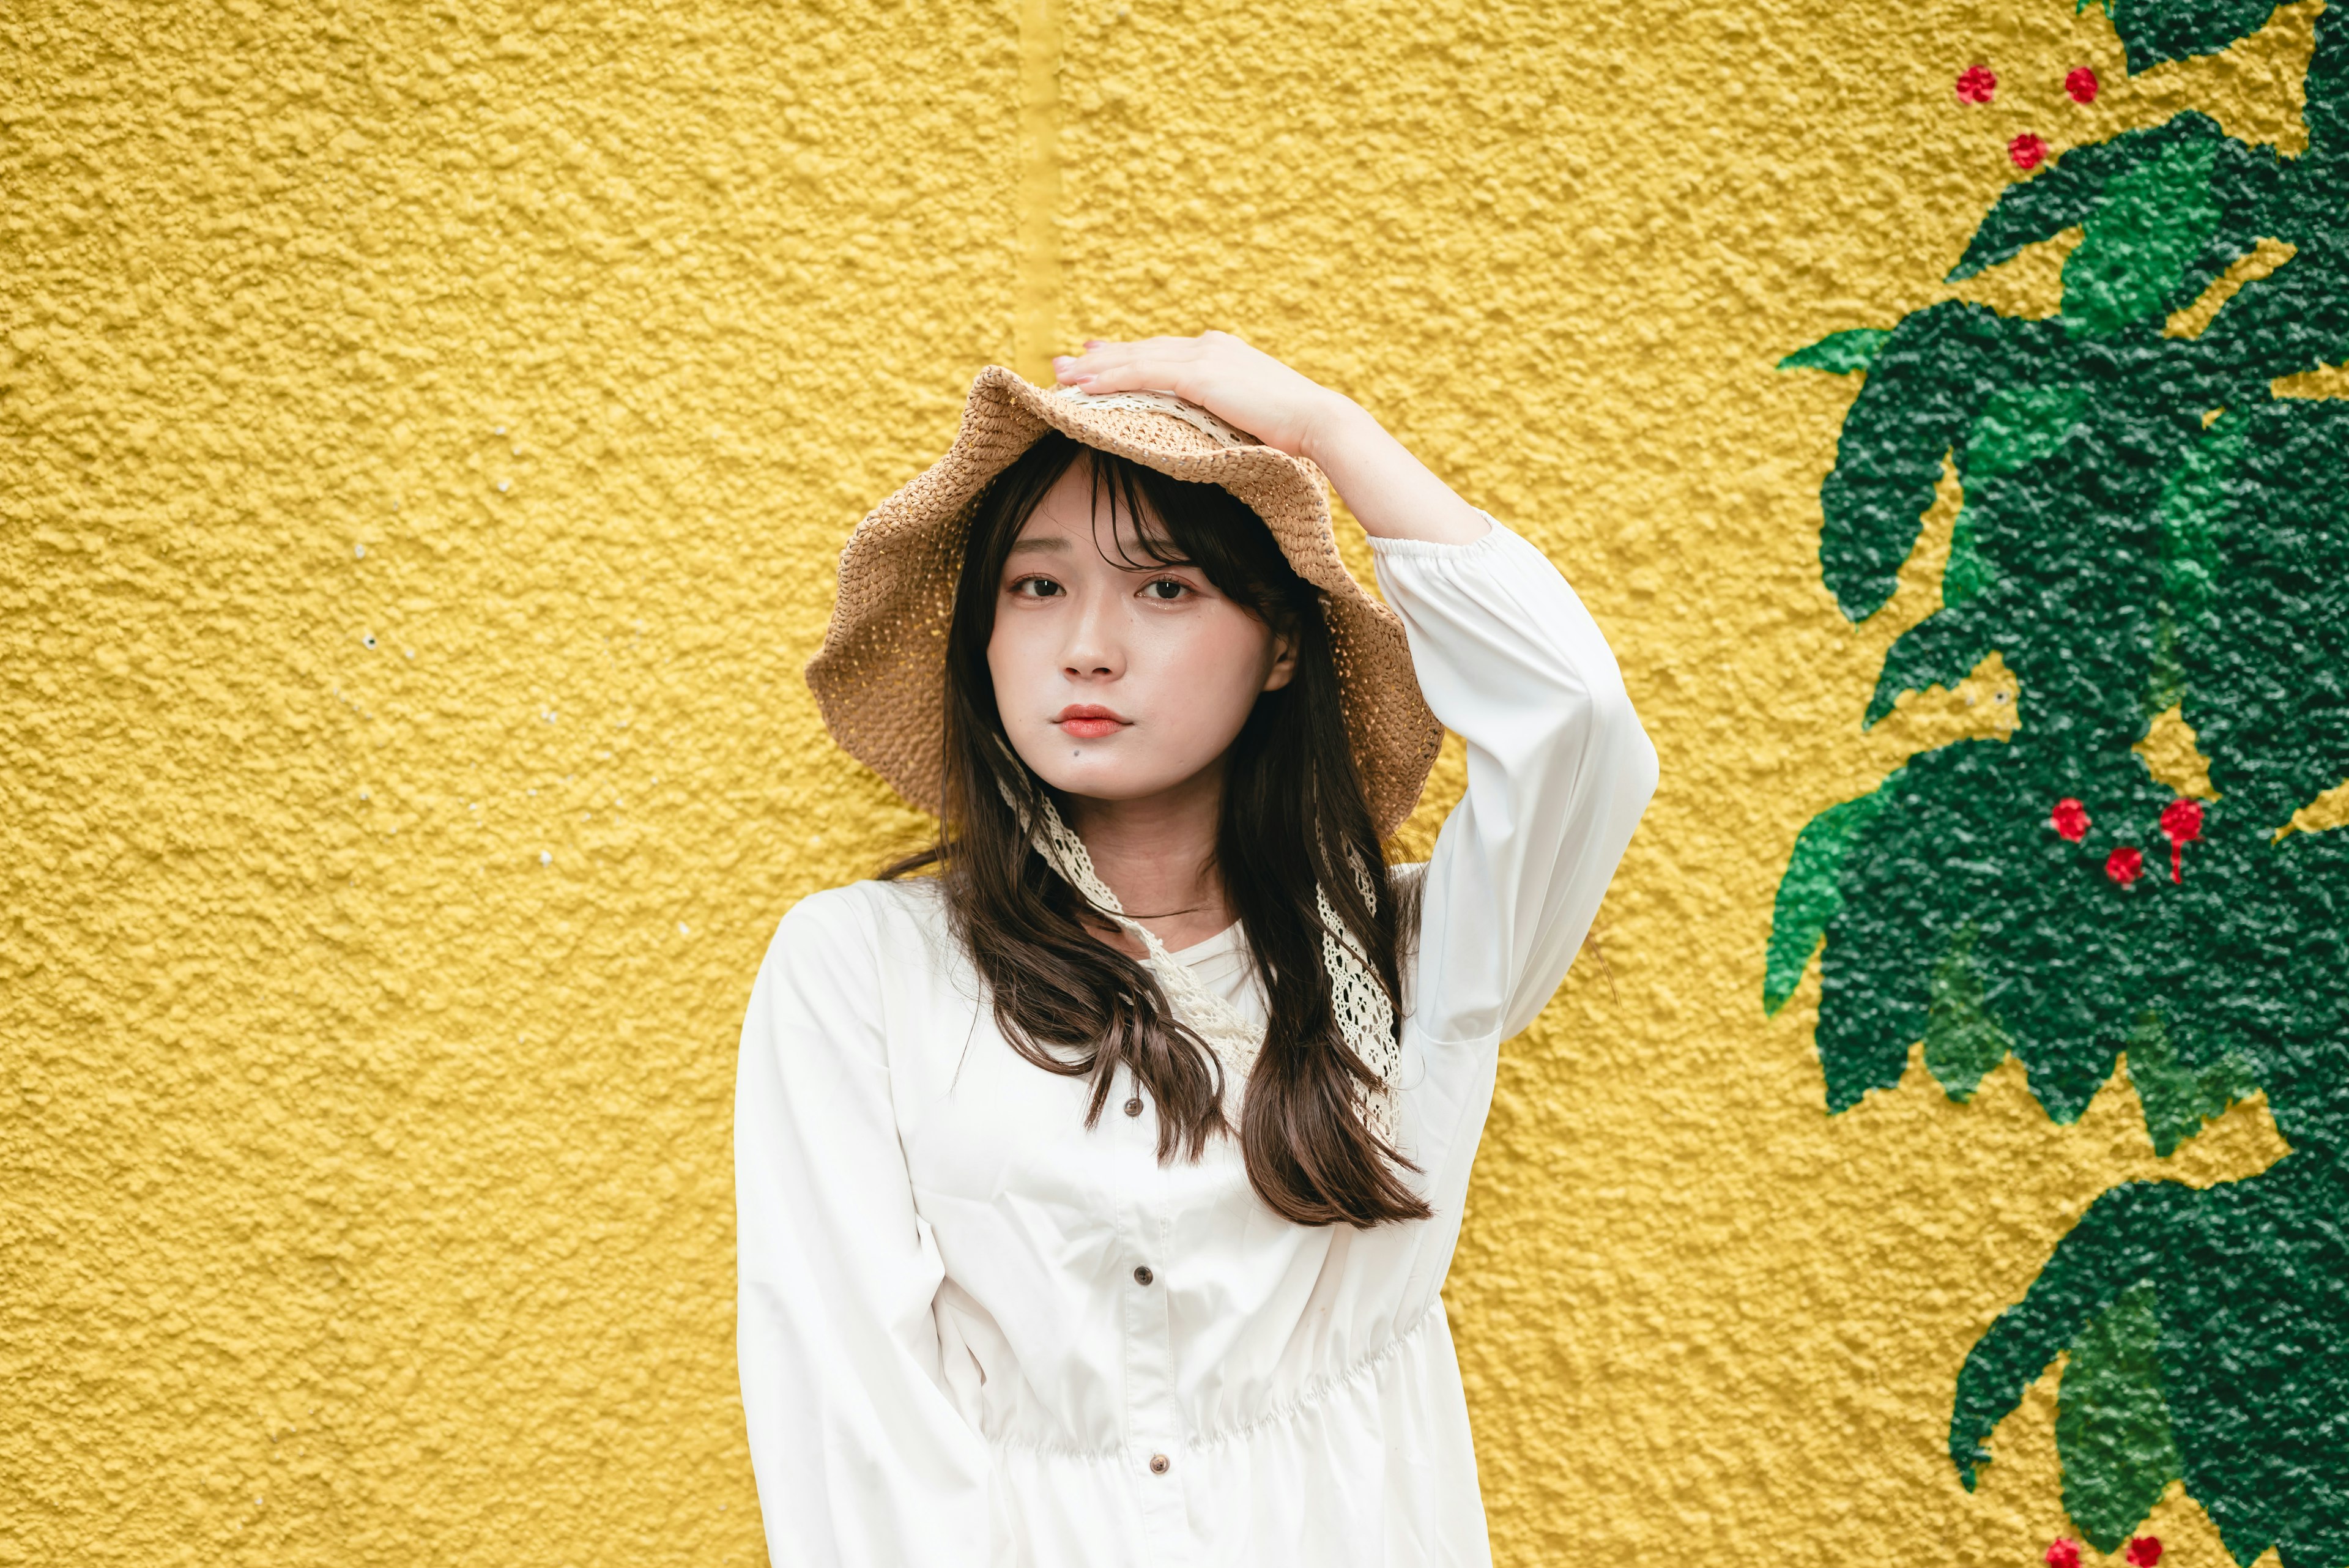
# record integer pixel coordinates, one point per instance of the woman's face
(1117, 683)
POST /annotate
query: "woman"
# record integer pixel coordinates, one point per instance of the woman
(1095, 1191)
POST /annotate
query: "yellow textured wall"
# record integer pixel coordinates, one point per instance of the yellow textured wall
(425, 436)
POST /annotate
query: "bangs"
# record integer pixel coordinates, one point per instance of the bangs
(1190, 522)
(1118, 480)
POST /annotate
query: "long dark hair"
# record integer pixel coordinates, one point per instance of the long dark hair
(1293, 808)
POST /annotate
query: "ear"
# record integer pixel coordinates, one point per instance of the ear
(1284, 660)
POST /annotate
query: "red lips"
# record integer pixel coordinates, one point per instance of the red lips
(1088, 721)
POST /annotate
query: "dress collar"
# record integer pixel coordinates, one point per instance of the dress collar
(1217, 957)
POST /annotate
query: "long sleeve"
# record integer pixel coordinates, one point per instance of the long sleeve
(862, 1460)
(1559, 771)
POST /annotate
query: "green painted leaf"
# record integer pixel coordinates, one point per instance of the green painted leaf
(2116, 1246)
(2296, 319)
(2325, 93)
(2177, 1099)
(2030, 211)
(2247, 1354)
(2148, 228)
(2255, 1306)
(2267, 658)
(1967, 573)
(1942, 648)
(2195, 500)
(2019, 425)
(1839, 353)
(2166, 688)
(1962, 1041)
(1924, 386)
(2112, 1422)
(1810, 894)
(2152, 31)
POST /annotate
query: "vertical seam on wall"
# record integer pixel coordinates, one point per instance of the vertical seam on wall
(1036, 305)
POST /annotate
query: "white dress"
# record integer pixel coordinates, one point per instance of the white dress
(973, 1333)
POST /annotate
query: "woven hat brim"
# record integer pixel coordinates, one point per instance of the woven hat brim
(879, 679)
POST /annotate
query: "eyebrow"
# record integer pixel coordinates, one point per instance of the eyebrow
(1046, 542)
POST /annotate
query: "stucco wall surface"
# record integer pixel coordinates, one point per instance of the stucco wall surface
(426, 434)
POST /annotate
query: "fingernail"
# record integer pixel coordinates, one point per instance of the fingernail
(1060, 361)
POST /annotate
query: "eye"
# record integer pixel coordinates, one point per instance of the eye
(1034, 588)
(1165, 589)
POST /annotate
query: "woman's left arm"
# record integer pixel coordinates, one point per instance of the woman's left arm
(1559, 772)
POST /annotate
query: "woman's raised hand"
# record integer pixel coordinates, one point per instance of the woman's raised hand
(1242, 385)
(1390, 491)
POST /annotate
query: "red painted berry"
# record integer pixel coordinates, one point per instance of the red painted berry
(2145, 1551)
(2063, 1552)
(2181, 819)
(2027, 150)
(2082, 85)
(1975, 84)
(2070, 819)
(2124, 865)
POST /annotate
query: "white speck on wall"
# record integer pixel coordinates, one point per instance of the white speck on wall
(358, 552)
(546, 857)
(502, 483)
(501, 429)
(681, 929)
(368, 637)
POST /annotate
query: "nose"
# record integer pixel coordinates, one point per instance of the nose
(1094, 650)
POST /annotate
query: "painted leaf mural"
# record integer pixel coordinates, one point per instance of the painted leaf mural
(2148, 534)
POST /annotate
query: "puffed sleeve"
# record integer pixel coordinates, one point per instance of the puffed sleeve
(1559, 771)
(861, 1461)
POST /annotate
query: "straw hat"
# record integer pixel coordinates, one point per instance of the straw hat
(879, 679)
